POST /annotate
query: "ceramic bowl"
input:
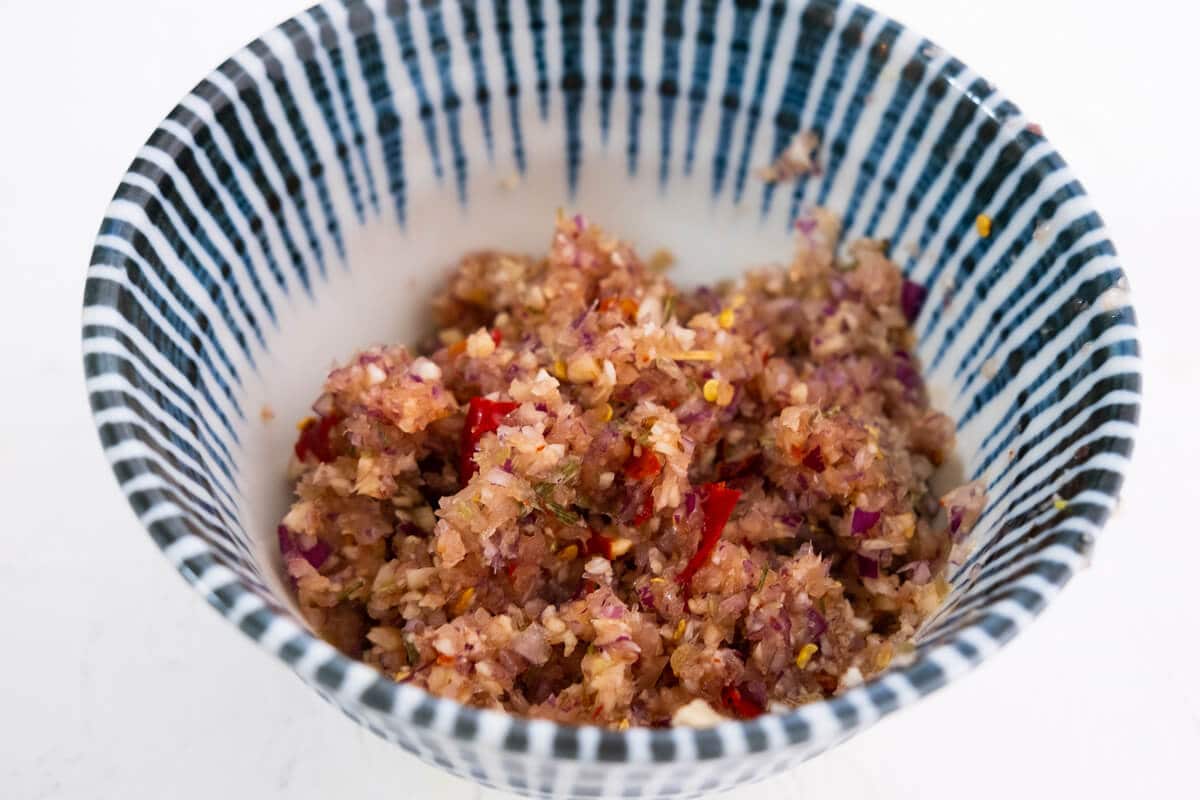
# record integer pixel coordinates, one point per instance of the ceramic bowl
(304, 199)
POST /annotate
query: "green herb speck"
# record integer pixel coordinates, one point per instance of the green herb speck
(411, 653)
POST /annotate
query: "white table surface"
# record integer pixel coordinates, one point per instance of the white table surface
(117, 681)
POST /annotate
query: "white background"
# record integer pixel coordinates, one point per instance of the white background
(117, 681)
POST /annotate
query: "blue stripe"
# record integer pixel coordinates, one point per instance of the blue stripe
(705, 38)
(172, 449)
(201, 516)
(999, 334)
(170, 193)
(635, 82)
(849, 43)
(442, 56)
(816, 25)
(963, 115)
(606, 20)
(1028, 184)
(1020, 439)
(1008, 160)
(209, 199)
(735, 76)
(142, 321)
(1021, 353)
(321, 94)
(911, 77)
(1060, 247)
(204, 139)
(935, 92)
(836, 147)
(401, 24)
(329, 40)
(200, 335)
(668, 86)
(314, 168)
(213, 288)
(1092, 405)
(573, 84)
(512, 88)
(387, 122)
(226, 116)
(537, 27)
(179, 406)
(474, 40)
(169, 351)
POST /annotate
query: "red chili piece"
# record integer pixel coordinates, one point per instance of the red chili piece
(717, 502)
(315, 438)
(598, 545)
(483, 417)
(742, 706)
(647, 465)
(497, 336)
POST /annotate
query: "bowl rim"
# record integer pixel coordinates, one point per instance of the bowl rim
(814, 725)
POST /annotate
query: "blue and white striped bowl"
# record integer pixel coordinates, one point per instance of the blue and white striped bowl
(302, 200)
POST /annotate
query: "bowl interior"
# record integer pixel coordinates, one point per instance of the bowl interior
(306, 198)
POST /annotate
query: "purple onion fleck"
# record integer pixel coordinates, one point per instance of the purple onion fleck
(912, 297)
(863, 521)
(817, 624)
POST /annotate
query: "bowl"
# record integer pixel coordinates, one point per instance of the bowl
(303, 200)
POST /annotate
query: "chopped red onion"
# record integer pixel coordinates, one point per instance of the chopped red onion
(912, 297)
(817, 624)
(906, 374)
(868, 567)
(863, 521)
(806, 224)
(814, 460)
(956, 518)
(699, 413)
(793, 520)
(287, 545)
(315, 555)
(613, 611)
(578, 321)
